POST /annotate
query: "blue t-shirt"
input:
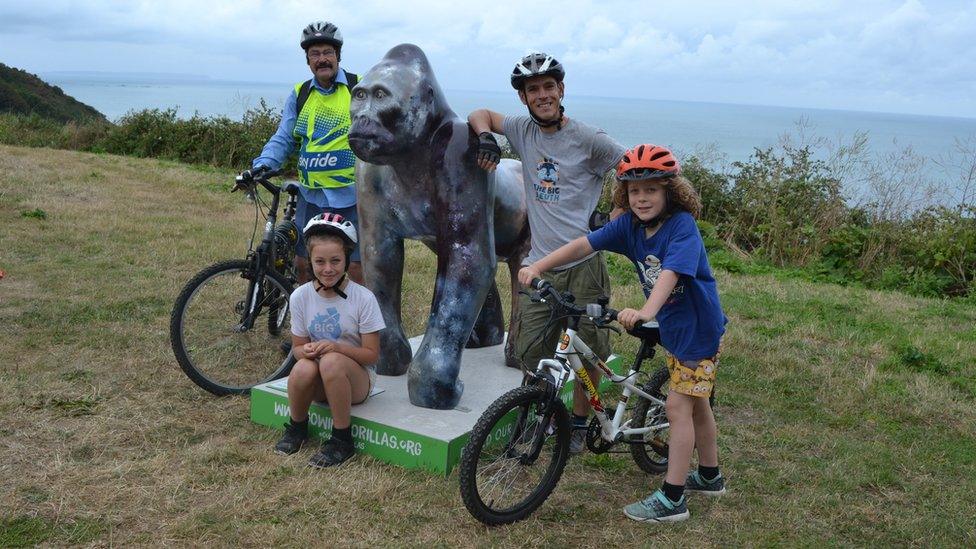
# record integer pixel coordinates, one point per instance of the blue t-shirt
(691, 320)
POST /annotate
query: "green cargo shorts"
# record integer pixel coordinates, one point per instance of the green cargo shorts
(588, 281)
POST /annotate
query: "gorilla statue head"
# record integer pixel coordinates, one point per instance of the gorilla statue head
(396, 106)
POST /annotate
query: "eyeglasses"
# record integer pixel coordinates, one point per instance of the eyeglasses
(321, 54)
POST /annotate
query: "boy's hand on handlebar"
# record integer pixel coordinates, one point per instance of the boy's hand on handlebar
(628, 318)
(526, 274)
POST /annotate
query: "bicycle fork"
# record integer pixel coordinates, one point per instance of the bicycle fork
(255, 297)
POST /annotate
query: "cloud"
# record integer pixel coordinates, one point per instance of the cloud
(879, 54)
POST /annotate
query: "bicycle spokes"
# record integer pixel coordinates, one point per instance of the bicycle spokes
(521, 449)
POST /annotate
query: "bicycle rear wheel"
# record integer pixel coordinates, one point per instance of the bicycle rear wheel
(207, 336)
(652, 455)
(515, 456)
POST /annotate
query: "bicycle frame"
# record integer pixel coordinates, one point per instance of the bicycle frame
(567, 360)
(263, 257)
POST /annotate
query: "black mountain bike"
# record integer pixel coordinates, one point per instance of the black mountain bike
(230, 326)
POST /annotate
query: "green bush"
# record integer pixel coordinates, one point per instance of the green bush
(782, 205)
(782, 208)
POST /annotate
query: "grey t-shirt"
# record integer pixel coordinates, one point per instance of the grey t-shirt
(563, 174)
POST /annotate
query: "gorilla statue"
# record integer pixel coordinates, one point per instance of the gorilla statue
(420, 181)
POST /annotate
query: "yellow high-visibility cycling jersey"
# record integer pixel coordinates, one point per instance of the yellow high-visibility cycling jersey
(322, 131)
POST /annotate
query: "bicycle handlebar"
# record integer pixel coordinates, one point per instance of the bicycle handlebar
(260, 175)
(599, 313)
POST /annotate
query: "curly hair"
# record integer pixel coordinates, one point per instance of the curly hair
(681, 195)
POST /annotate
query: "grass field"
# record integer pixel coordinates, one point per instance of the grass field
(846, 417)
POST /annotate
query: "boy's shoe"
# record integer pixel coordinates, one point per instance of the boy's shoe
(577, 441)
(332, 452)
(657, 508)
(696, 483)
(292, 440)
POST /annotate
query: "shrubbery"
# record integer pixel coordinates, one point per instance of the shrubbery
(217, 141)
(783, 207)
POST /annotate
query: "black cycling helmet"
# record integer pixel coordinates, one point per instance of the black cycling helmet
(536, 64)
(321, 32)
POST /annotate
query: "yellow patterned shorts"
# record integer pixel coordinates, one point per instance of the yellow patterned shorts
(693, 377)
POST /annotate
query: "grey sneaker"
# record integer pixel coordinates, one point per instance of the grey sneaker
(657, 508)
(292, 440)
(696, 483)
(577, 441)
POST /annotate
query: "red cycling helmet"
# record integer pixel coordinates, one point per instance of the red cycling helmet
(647, 162)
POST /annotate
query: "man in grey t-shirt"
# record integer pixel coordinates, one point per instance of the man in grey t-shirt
(563, 164)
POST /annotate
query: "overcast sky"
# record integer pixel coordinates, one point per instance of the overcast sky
(898, 56)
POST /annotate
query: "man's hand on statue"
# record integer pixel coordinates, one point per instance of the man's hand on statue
(628, 318)
(489, 153)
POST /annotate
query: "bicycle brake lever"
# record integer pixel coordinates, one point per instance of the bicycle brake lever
(605, 324)
(535, 297)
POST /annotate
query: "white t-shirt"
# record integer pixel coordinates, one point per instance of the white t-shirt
(335, 319)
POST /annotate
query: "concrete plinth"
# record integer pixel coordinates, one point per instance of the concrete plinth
(391, 429)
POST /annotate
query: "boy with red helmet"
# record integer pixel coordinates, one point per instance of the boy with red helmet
(660, 236)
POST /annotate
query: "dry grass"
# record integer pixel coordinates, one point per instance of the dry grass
(827, 433)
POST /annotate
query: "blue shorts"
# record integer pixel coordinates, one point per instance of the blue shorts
(306, 210)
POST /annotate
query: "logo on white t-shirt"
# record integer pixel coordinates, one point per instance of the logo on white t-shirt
(325, 326)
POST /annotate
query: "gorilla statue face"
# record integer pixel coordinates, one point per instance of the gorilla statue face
(392, 109)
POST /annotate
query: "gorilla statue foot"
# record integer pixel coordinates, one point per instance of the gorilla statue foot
(433, 383)
(395, 354)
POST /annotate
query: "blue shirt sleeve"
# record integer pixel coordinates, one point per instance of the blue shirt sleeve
(612, 236)
(277, 149)
(684, 246)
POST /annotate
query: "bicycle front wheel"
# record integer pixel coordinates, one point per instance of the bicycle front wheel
(211, 343)
(515, 456)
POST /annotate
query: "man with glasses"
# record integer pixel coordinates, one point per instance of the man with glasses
(316, 118)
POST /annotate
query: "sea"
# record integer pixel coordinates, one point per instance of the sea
(719, 133)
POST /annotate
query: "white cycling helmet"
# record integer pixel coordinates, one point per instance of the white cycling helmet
(334, 224)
